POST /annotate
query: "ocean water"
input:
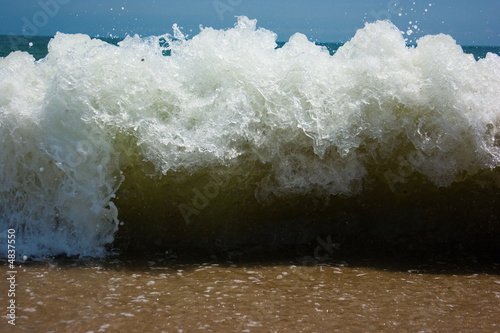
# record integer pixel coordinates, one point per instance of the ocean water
(229, 140)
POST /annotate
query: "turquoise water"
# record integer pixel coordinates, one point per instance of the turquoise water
(34, 45)
(13, 43)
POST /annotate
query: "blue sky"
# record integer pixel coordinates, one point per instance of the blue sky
(474, 22)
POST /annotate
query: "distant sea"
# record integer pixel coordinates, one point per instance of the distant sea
(37, 46)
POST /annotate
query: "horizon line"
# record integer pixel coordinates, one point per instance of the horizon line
(141, 36)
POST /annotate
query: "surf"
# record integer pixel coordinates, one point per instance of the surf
(167, 139)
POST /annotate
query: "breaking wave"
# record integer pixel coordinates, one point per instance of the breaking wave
(94, 133)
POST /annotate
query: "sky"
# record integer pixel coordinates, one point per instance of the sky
(475, 22)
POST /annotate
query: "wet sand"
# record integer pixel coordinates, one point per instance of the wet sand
(163, 293)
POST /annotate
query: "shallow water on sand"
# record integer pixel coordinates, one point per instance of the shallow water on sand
(162, 294)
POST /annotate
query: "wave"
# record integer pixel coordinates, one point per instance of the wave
(96, 137)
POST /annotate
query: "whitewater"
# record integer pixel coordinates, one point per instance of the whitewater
(175, 130)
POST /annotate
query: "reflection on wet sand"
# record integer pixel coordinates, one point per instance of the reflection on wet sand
(159, 294)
